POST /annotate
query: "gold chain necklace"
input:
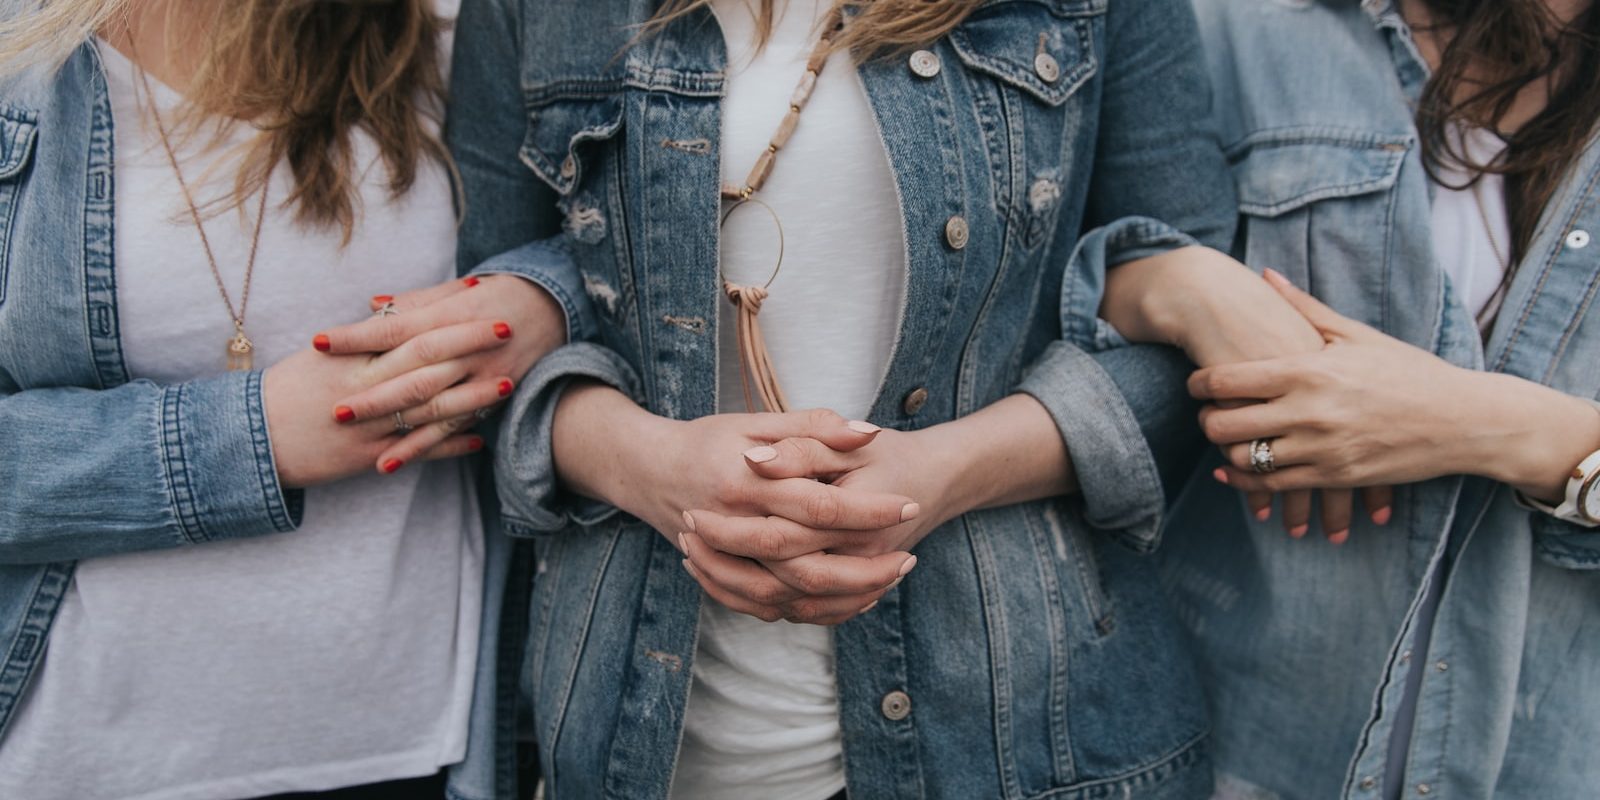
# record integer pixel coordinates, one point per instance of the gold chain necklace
(755, 363)
(240, 350)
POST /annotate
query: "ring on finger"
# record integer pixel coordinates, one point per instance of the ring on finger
(401, 426)
(386, 310)
(1261, 456)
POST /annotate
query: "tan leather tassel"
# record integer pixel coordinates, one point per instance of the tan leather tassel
(755, 364)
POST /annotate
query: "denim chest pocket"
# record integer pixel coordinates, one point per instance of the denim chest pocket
(18, 129)
(1027, 64)
(1310, 195)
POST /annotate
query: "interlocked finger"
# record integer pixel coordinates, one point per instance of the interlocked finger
(825, 507)
(436, 346)
(798, 457)
(770, 538)
(401, 393)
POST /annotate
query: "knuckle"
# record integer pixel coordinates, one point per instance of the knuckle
(769, 542)
(390, 334)
(768, 614)
(803, 610)
(823, 418)
(822, 508)
(418, 393)
(770, 593)
(811, 580)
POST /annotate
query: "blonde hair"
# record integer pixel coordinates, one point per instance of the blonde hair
(879, 27)
(306, 73)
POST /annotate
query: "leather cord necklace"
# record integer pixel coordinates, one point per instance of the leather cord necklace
(755, 363)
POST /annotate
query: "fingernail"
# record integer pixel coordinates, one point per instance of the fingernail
(320, 341)
(907, 567)
(683, 542)
(1264, 513)
(1221, 475)
(502, 330)
(860, 426)
(1273, 275)
(688, 520)
(761, 455)
(470, 281)
(392, 466)
(344, 413)
(1339, 537)
(475, 443)
(896, 583)
(380, 299)
(1383, 515)
(505, 387)
(870, 606)
(909, 512)
(1299, 530)
(692, 571)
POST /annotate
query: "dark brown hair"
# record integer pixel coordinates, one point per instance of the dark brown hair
(1492, 50)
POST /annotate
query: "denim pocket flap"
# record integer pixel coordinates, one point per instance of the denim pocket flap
(557, 130)
(18, 129)
(1282, 170)
(1044, 49)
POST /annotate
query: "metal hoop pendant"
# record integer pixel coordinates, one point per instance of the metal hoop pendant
(775, 221)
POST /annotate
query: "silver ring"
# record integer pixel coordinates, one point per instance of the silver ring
(400, 424)
(386, 310)
(1261, 456)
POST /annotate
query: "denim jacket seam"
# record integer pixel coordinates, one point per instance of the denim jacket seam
(1545, 269)
(180, 487)
(279, 503)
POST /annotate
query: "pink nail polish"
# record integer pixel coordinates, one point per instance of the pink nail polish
(688, 520)
(683, 543)
(860, 426)
(1264, 513)
(909, 511)
(1221, 475)
(1339, 537)
(1299, 531)
(870, 606)
(908, 566)
(761, 455)
(1383, 515)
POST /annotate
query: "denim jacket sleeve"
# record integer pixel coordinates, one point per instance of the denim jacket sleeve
(87, 472)
(505, 205)
(1160, 182)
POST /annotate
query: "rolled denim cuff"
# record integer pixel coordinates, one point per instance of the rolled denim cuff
(1101, 250)
(217, 453)
(532, 500)
(548, 263)
(1118, 481)
(1565, 544)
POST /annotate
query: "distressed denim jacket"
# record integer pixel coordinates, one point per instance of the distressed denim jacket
(1033, 641)
(1305, 647)
(93, 464)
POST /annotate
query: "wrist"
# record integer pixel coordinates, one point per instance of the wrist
(592, 431)
(1538, 435)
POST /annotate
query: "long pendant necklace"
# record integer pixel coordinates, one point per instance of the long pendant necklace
(755, 363)
(240, 351)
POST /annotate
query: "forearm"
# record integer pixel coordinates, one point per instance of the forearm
(1009, 452)
(595, 439)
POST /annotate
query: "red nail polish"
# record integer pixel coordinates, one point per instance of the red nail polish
(470, 281)
(344, 414)
(506, 387)
(380, 299)
(475, 443)
(392, 466)
(320, 341)
(502, 330)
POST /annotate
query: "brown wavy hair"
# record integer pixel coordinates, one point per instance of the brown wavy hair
(879, 27)
(307, 73)
(1492, 51)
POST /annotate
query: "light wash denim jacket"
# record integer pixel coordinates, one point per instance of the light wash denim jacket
(1305, 647)
(93, 464)
(1033, 641)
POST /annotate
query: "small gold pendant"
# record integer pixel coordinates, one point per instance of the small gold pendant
(240, 352)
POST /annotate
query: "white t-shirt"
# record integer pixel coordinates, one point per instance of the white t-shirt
(1468, 251)
(763, 714)
(336, 655)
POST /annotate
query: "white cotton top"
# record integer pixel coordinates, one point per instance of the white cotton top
(336, 655)
(1471, 230)
(763, 714)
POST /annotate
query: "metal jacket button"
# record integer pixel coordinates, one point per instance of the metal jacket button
(925, 63)
(1047, 67)
(1578, 240)
(915, 400)
(896, 705)
(955, 232)
(569, 167)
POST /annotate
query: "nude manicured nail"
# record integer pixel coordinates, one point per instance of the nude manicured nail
(470, 281)
(688, 521)
(1339, 537)
(909, 512)
(502, 330)
(683, 543)
(690, 568)
(870, 606)
(1299, 530)
(320, 341)
(380, 299)
(908, 566)
(1221, 475)
(505, 387)
(1273, 275)
(1383, 515)
(1264, 513)
(861, 426)
(344, 413)
(761, 455)
(392, 466)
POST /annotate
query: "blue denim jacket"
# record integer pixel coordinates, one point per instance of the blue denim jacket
(93, 464)
(1305, 648)
(1038, 653)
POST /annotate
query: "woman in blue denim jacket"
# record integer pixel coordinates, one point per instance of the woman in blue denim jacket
(1452, 651)
(1025, 651)
(206, 587)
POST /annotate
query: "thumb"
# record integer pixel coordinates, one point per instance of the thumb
(1331, 324)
